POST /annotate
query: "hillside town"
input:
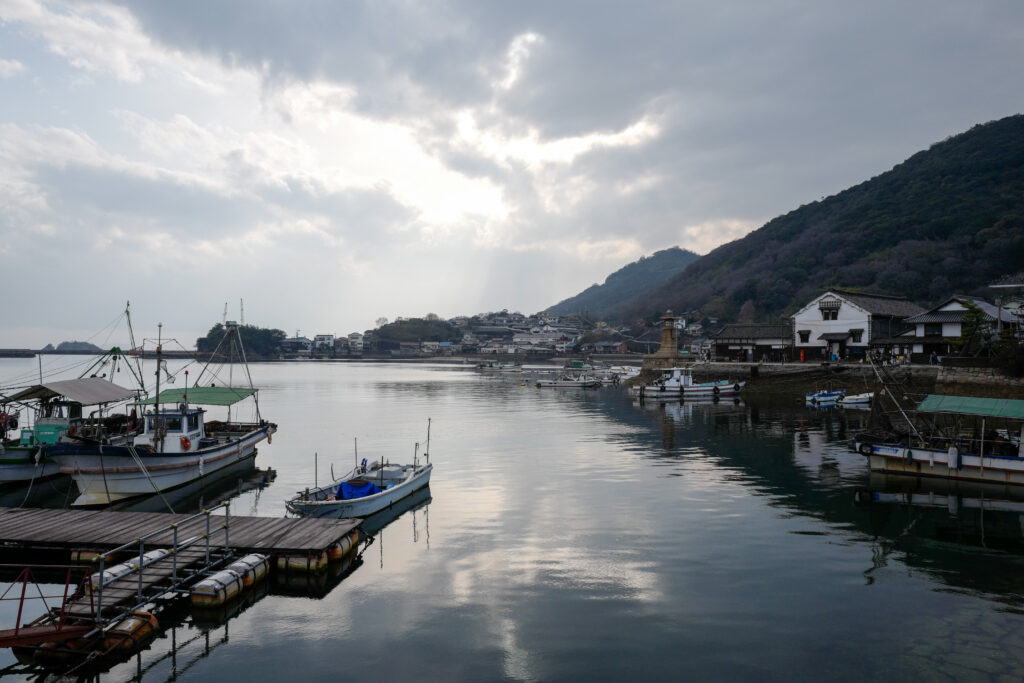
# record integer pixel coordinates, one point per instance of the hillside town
(839, 324)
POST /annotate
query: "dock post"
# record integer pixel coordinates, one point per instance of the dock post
(142, 553)
(99, 599)
(227, 521)
(207, 513)
(174, 550)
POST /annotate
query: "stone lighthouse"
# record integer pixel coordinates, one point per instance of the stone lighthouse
(668, 355)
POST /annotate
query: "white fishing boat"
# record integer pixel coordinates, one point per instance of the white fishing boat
(678, 383)
(176, 444)
(567, 381)
(491, 365)
(982, 441)
(367, 489)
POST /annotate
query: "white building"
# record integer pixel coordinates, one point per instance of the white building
(936, 329)
(355, 344)
(323, 342)
(842, 324)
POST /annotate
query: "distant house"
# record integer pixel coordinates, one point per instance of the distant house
(296, 346)
(355, 344)
(701, 348)
(323, 342)
(935, 330)
(844, 324)
(754, 342)
(611, 347)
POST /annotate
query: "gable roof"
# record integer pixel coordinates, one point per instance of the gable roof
(881, 304)
(934, 315)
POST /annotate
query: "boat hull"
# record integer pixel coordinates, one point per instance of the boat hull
(19, 465)
(106, 474)
(363, 507)
(932, 462)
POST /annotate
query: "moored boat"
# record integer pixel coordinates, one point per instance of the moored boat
(567, 381)
(176, 444)
(992, 450)
(491, 365)
(825, 397)
(855, 399)
(367, 489)
(678, 383)
(56, 410)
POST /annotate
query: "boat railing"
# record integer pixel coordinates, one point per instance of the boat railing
(204, 537)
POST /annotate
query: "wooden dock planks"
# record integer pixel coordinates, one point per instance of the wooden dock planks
(35, 528)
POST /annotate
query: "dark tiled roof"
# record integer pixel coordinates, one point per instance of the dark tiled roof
(878, 304)
(751, 331)
(937, 317)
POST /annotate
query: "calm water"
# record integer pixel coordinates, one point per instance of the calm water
(577, 535)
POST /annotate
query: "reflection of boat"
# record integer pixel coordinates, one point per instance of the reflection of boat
(978, 454)
(567, 381)
(225, 483)
(374, 523)
(176, 446)
(366, 489)
(678, 383)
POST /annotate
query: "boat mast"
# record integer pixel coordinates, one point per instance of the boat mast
(426, 453)
(157, 421)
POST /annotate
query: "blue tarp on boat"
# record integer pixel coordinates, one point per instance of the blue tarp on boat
(347, 491)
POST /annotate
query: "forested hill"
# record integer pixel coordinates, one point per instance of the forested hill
(627, 283)
(947, 220)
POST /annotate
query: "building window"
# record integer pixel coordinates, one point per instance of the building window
(933, 329)
(830, 314)
(856, 335)
(805, 336)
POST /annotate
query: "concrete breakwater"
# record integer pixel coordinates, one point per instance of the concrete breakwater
(765, 380)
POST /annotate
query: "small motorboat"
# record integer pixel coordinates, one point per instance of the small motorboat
(825, 397)
(571, 382)
(367, 489)
(856, 399)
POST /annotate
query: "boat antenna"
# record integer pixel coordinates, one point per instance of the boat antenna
(355, 439)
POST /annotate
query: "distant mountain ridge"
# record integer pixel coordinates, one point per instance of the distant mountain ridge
(627, 283)
(947, 220)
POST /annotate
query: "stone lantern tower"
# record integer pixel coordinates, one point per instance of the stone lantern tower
(668, 355)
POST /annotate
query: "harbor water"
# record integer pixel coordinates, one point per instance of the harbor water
(580, 535)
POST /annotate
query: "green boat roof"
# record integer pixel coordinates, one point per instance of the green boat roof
(969, 405)
(207, 396)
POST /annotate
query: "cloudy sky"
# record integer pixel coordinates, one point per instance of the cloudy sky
(334, 162)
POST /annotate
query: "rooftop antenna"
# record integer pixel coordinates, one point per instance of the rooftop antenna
(241, 310)
(224, 318)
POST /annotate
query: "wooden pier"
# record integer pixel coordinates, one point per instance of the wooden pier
(50, 529)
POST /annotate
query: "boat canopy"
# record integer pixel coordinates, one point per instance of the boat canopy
(87, 391)
(969, 405)
(207, 396)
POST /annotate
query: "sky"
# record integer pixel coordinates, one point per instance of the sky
(331, 162)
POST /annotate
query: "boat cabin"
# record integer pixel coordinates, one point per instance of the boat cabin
(173, 430)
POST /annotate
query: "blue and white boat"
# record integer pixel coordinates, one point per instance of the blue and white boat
(825, 397)
(367, 489)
